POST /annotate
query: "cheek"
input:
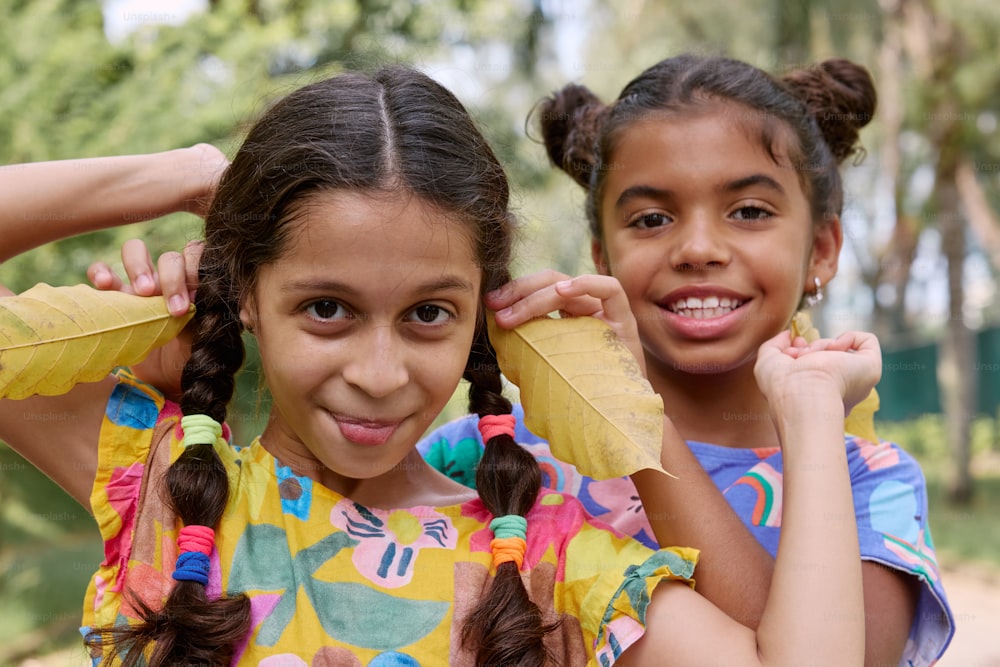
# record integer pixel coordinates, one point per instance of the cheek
(634, 268)
(292, 364)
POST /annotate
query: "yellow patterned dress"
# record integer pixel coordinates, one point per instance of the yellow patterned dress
(334, 583)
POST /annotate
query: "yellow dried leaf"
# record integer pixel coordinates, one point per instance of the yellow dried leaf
(52, 338)
(861, 420)
(583, 391)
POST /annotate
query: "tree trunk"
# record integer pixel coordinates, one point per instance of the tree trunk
(956, 377)
(934, 46)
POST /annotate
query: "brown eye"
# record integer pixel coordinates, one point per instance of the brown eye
(650, 220)
(751, 213)
(326, 310)
(431, 314)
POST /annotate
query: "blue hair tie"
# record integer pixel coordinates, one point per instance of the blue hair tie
(192, 566)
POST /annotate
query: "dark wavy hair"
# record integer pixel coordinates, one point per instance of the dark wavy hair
(395, 129)
(821, 108)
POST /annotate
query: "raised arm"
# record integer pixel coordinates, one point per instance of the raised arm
(45, 201)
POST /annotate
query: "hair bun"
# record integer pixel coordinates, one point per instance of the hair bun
(570, 120)
(841, 96)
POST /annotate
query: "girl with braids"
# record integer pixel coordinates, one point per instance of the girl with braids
(714, 196)
(354, 236)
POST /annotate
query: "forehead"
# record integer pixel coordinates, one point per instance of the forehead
(710, 143)
(381, 236)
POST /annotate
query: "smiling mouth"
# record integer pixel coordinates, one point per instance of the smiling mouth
(704, 308)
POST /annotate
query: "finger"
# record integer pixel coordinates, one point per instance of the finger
(518, 289)
(5, 292)
(102, 277)
(613, 300)
(544, 301)
(139, 267)
(860, 341)
(779, 341)
(173, 282)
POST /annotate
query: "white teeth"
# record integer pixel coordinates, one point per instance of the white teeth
(703, 309)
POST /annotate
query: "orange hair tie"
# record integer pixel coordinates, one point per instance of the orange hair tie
(508, 549)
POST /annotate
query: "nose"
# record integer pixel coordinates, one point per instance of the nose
(698, 244)
(378, 365)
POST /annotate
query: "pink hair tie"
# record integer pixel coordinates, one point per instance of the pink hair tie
(491, 426)
(198, 539)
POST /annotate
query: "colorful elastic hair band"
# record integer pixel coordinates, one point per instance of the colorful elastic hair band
(200, 430)
(510, 525)
(195, 545)
(508, 549)
(509, 542)
(494, 425)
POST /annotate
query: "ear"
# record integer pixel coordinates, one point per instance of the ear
(246, 315)
(828, 239)
(600, 258)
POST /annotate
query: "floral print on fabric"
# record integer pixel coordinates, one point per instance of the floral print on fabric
(389, 542)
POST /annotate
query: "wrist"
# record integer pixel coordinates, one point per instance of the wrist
(195, 170)
(810, 406)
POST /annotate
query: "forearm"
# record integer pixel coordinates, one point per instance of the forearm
(734, 569)
(815, 606)
(45, 201)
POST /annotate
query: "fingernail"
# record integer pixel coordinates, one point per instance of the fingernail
(506, 312)
(177, 305)
(564, 284)
(144, 282)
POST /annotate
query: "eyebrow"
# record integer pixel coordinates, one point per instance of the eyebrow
(444, 284)
(641, 192)
(650, 192)
(752, 180)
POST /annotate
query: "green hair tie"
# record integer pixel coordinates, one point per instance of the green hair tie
(509, 525)
(200, 430)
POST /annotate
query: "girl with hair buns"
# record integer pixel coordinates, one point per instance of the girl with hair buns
(714, 196)
(354, 236)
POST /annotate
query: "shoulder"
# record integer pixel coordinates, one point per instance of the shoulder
(877, 463)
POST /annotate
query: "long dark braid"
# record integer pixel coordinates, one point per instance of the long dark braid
(191, 629)
(506, 627)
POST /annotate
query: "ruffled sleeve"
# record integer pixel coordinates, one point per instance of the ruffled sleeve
(890, 499)
(606, 578)
(624, 619)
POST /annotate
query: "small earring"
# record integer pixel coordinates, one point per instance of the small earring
(816, 297)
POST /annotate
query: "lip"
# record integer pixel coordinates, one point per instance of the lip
(713, 327)
(367, 432)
